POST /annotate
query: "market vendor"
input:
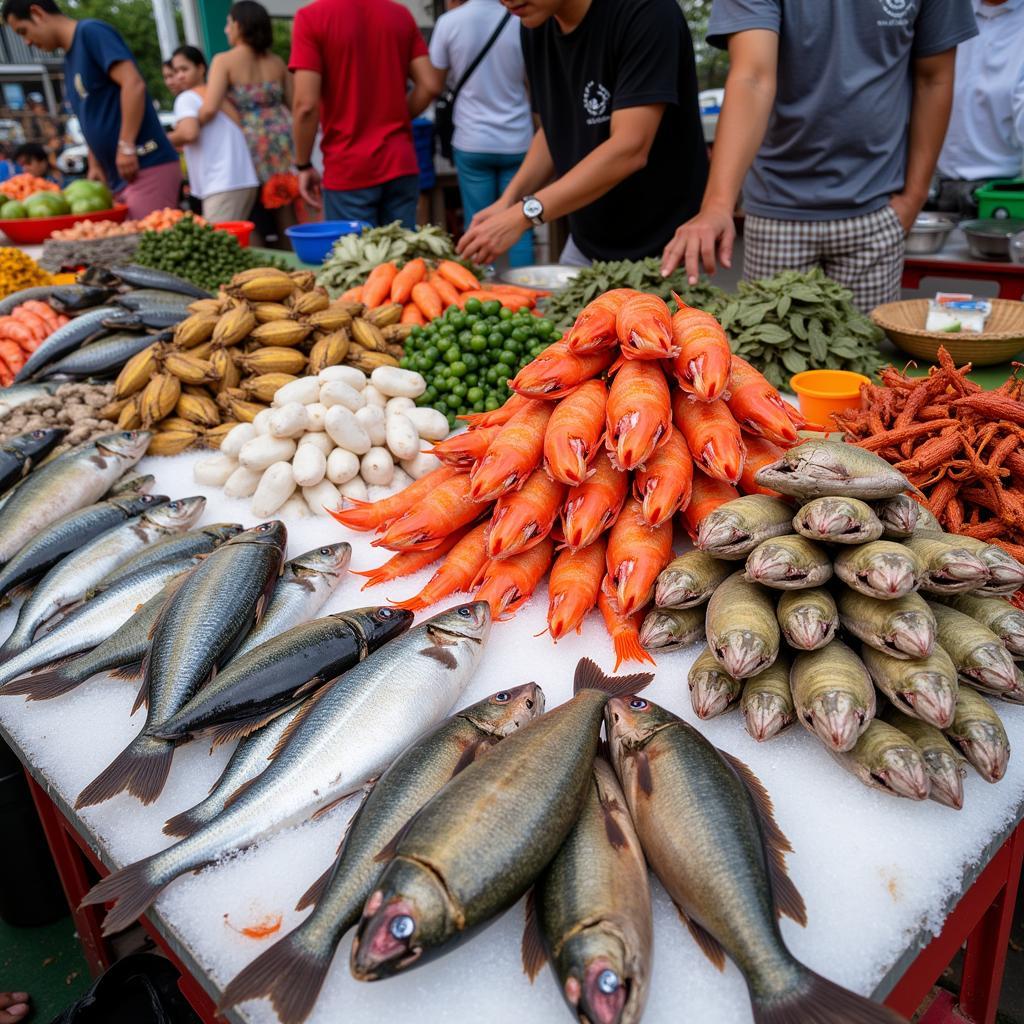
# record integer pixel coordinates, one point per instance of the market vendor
(615, 88)
(838, 111)
(127, 144)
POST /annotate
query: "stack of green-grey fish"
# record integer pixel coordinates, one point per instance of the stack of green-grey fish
(859, 589)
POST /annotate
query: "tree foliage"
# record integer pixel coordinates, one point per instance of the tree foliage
(712, 64)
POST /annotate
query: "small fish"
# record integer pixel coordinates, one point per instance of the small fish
(63, 340)
(742, 631)
(882, 569)
(1006, 574)
(146, 277)
(712, 689)
(946, 768)
(789, 563)
(978, 733)
(102, 358)
(948, 569)
(816, 469)
(808, 618)
(142, 298)
(925, 688)
(904, 628)
(690, 580)
(832, 694)
(996, 614)
(885, 758)
(837, 520)
(767, 702)
(668, 629)
(20, 454)
(734, 529)
(39, 293)
(899, 516)
(979, 655)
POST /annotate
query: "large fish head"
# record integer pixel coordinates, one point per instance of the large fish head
(931, 696)
(721, 528)
(946, 777)
(328, 562)
(178, 515)
(659, 630)
(135, 504)
(985, 748)
(901, 770)
(676, 588)
(127, 445)
(959, 567)
(504, 712)
(465, 621)
(913, 633)
(890, 575)
(712, 692)
(836, 517)
(221, 532)
(807, 628)
(273, 533)
(837, 719)
(596, 980)
(36, 441)
(742, 653)
(900, 515)
(377, 625)
(1004, 569)
(631, 721)
(406, 919)
(765, 714)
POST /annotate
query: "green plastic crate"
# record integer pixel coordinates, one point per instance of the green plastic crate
(1001, 199)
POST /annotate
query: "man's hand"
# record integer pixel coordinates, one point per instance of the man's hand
(696, 241)
(309, 187)
(95, 173)
(491, 235)
(907, 208)
(128, 166)
(13, 1007)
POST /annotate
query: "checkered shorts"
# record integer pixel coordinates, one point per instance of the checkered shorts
(864, 253)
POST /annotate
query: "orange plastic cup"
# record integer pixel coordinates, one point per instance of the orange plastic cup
(823, 392)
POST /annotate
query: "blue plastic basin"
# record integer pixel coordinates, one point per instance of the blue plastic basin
(312, 242)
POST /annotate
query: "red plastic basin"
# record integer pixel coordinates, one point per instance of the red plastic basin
(34, 230)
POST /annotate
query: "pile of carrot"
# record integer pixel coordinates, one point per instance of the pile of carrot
(22, 331)
(637, 415)
(425, 292)
(21, 186)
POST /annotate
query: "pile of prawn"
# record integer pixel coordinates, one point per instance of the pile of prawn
(22, 331)
(635, 418)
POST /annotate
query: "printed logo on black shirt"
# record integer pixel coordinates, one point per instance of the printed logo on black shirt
(595, 102)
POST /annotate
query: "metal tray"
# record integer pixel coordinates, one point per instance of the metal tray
(549, 276)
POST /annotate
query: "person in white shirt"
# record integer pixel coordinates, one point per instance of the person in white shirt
(220, 169)
(493, 123)
(985, 139)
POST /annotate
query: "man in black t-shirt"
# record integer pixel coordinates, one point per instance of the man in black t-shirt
(620, 147)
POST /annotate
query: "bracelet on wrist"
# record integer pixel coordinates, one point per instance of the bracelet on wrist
(303, 167)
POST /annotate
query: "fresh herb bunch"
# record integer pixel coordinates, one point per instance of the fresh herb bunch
(198, 252)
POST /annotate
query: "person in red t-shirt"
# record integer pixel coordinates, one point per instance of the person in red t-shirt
(352, 60)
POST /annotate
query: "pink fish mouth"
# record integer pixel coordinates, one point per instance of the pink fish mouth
(602, 997)
(383, 944)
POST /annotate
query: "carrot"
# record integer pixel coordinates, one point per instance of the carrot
(412, 273)
(378, 285)
(353, 295)
(448, 292)
(412, 315)
(425, 296)
(458, 275)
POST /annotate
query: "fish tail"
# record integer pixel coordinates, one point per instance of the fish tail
(60, 677)
(814, 998)
(141, 768)
(131, 890)
(312, 895)
(188, 822)
(590, 677)
(290, 974)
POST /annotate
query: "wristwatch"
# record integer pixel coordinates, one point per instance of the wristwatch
(533, 210)
(126, 148)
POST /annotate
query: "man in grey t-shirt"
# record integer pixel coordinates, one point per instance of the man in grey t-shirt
(838, 109)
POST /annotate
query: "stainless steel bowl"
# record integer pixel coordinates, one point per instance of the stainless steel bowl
(929, 234)
(989, 239)
(549, 276)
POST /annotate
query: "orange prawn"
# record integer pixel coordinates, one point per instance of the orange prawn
(505, 583)
(639, 414)
(405, 563)
(463, 450)
(704, 359)
(513, 454)
(573, 586)
(456, 573)
(381, 514)
(594, 329)
(623, 629)
(644, 327)
(522, 519)
(757, 406)
(592, 506)
(557, 372)
(497, 417)
(574, 433)
(713, 436)
(636, 554)
(665, 482)
(434, 517)
(760, 453)
(706, 496)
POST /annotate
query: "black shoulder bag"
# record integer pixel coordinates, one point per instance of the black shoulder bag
(444, 108)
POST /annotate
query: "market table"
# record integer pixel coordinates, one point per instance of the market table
(879, 874)
(954, 259)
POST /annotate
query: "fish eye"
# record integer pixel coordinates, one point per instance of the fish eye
(402, 926)
(465, 612)
(385, 613)
(503, 696)
(637, 704)
(608, 982)
(38, 434)
(325, 551)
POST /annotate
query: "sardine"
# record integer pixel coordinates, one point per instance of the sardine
(832, 694)
(837, 520)
(904, 628)
(767, 701)
(948, 568)
(816, 469)
(143, 298)
(102, 358)
(808, 618)
(690, 580)
(1006, 574)
(734, 529)
(708, 829)
(742, 631)
(885, 758)
(18, 455)
(73, 480)
(590, 911)
(198, 629)
(146, 277)
(292, 972)
(899, 516)
(712, 689)
(132, 483)
(996, 614)
(19, 394)
(151, 317)
(668, 629)
(882, 569)
(978, 733)
(38, 293)
(478, 845)
(924, 688)
(945, 766)
(980, 658)
(346, 736)
(65, 339)
(789, 563)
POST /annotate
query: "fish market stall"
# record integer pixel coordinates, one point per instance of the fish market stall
(878, 875)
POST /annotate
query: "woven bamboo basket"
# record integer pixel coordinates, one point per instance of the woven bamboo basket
(1002, 339)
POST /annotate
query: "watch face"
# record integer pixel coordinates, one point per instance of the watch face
(533, 208)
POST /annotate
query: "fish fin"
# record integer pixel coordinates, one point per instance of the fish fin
(290, 974)
(228, 732)
(43, 685)
(327, 808)
(814, 998)
(169, 591)
(788, 900)
(613, 830)
(439, 654)
(590, 677)
(471, 752)
(142, 697)
(308, 687)
(131, 890)
(390, 849)
(184, 824)
(299, 718)
(315, 891)
(129, 672)
(141, 769)
(532, 947)
(240, 792)
(709, 945)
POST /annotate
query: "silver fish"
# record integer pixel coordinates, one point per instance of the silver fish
(19, 394)
(146, 277)
(101, 358)
(145, 298)
(64, 339)
(837, 520)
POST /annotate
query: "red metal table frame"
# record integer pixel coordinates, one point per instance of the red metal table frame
(1009, 276)
(981, 919)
